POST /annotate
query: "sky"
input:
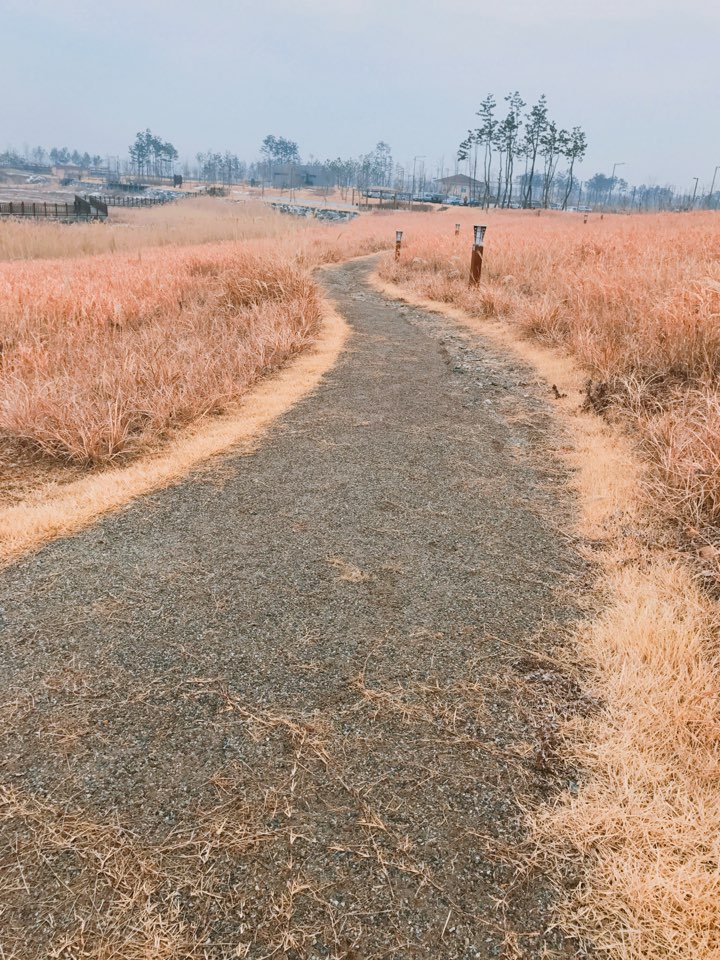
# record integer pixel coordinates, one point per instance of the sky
(641, 77)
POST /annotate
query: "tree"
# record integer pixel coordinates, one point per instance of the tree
(343, 173)
(382, 163)
(507, 138)
(280, 150)
(465, 150)
(535, 126)
(553, 144)
(149, 155)
(599, 185)
(485, 136)
(575, 148)
(541, 138)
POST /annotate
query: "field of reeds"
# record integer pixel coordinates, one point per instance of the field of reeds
(104, 356)
(635, 299)
(185, 222)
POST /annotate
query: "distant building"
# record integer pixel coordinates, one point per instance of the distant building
(284, 175)
(460, 185)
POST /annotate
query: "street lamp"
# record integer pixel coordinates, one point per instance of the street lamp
(620, 163)
(692, 202)
(420, 156)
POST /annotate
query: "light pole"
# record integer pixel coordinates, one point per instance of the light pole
(692, 202)
(712, 185)
(420, 156)
(620, 163)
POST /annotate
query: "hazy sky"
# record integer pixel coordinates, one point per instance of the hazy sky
(642, 77)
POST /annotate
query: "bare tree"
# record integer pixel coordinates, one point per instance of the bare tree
(535, 126)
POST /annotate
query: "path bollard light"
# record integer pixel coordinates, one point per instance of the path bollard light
(476, 258)
(398, 243)
(457, 229)
(585, 219)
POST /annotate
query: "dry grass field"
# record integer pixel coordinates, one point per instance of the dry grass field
(635, 299)
(103, 356)
(185, 222)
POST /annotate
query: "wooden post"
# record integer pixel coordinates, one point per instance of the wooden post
(476, 257)
(457, 229)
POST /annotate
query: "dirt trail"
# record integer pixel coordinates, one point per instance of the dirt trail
(289, 706)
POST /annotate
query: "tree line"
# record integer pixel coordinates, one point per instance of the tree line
(499, 144)
(42, 157)
(516, 157)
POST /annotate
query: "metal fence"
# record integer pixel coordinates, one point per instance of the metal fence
(79, 209)
(110, 201)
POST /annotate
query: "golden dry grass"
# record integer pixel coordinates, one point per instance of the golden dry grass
(106, 358)
(635, 300)
(183, 223)
(647, 817)
(102, 356)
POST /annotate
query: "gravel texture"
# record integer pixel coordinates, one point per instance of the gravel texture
(294, 706)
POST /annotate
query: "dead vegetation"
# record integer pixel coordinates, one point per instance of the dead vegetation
(307, 849)
(187, 222)
(47, 499)
(102, 357)
(647, 815)
(635, 300)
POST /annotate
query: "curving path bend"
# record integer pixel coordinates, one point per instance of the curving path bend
(295, 705)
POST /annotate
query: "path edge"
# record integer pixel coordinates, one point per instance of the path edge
(50, 514)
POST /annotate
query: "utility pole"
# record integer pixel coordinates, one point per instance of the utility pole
(692, 202)
(712, 185)
(420, 156)
(620, 163)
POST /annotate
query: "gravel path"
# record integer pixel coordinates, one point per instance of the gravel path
(291, 706)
